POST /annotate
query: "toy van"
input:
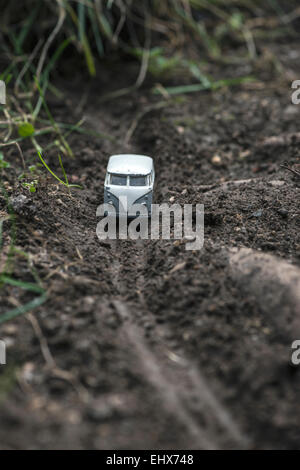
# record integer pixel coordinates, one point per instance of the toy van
(131, 176)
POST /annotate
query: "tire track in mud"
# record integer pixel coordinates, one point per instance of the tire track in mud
(183, 390)
(181, 386)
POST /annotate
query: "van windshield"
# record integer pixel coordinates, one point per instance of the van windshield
(118, 180)
(138, 180)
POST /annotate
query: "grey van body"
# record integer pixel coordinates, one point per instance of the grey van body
(131, 176)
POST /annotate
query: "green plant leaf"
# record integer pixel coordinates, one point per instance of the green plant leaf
(236, 20)
(26, 129)
(3, 163)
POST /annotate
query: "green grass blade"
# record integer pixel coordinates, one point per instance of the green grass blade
(89, 57)
(55, 176)
(6, 73)
(196, 72)
(50, 171)
(104, 25)
(180, 90)
(83, 40)
(11, 314)
(24, 285)
(81, 21)
(97, 35)
(40, 100)
(77, 128)
(63, 170)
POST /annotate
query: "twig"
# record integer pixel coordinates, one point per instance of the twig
(21, 155)
(26, 67)
(61, 19)
(42, 340)
(9, 123)
(146, 54)
(120, 23)
(135, 122)
(286, 166)
(56, 371)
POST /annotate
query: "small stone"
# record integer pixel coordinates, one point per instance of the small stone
(273, 141)
(73, 417)
(180, 129)
(186, 335)
(9, 329)
(83, 345)
(27, 372)
(99, 411)
(23, 205)
(257, 213)
(18, 202)
(245, 154)
(89, 300)
(216, 160)
(277, 183)
(266, 331)
(74, 178)
(283, 212)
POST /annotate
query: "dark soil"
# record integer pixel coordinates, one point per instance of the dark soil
(145, 344)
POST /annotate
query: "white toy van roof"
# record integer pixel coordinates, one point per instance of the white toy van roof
(128, 164)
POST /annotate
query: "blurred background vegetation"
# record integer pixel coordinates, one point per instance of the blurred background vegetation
(170, 40)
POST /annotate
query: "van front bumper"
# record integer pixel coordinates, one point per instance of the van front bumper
(128, 215)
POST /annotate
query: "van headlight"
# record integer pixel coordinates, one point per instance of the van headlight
(111, 199)
(142, 200)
